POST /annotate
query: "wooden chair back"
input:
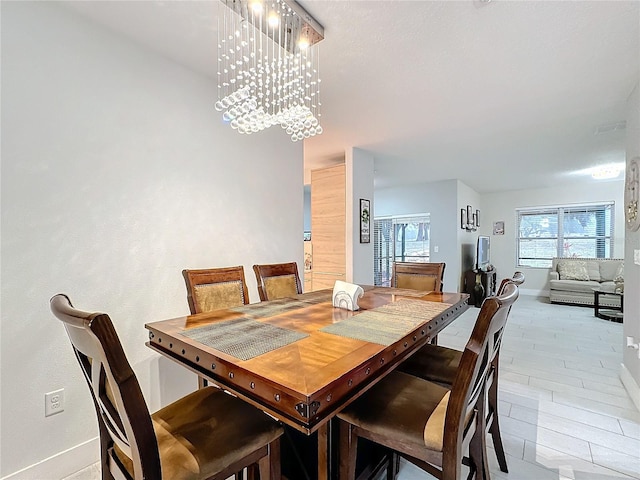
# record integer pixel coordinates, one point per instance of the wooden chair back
(215, 288)
(517, 279)
(468, 392)
(123, 417)
(277, 280)
(418, 276)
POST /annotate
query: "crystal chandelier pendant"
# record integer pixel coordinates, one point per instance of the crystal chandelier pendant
(268, 67)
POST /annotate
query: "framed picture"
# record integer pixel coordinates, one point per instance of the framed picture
(307, 236)
(365, 221)
(463, 218)
(498, 228)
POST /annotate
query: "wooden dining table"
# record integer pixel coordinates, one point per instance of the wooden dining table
(301, 359)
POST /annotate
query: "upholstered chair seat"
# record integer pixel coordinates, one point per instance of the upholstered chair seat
(416, 282)
(418, 276)
(277, 280)
(280, 287)
(435, 363)
(404, 407)
(200, 435)
(213, 296)
(215, 288)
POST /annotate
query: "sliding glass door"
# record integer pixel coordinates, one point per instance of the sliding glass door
(399, 239)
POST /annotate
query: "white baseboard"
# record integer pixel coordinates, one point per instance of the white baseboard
(630, 384)
(62, 464)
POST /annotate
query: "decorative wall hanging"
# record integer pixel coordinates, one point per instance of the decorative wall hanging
(365, 221)
(632, 195)
(469, 220)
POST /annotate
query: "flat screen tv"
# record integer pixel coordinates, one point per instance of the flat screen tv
(483, 257)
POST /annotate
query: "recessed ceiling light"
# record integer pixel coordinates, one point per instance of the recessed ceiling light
(607, 172)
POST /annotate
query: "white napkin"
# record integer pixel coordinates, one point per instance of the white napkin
(346, 295)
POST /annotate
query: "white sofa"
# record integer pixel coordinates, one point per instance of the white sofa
(572, 280)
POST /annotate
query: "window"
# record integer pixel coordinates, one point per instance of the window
(582, 231)
(401, 239)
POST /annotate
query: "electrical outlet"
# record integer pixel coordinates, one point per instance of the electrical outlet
(53, 402)
(636, 257)
(631, 344)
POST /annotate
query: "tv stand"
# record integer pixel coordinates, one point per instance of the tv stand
(487, 279)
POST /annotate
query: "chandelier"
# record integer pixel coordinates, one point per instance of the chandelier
(268, 67)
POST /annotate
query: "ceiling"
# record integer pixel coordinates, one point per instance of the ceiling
(502, 95)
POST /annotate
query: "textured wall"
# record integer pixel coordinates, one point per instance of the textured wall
(117, 173)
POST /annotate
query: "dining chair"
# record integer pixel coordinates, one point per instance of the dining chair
(518, 279)
(207, 434)
(430, 425)
(277, 280)
(215, 288)
(440, 365)
(418, 276)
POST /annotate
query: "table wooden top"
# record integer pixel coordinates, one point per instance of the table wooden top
(306, 382)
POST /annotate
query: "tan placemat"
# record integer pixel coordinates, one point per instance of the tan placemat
(374, 326)
(405, 292)
(387, 324)
(244, 338)
(319, 296)
(270, 308)
(414, 308)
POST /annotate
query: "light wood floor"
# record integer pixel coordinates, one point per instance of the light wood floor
(564, 413)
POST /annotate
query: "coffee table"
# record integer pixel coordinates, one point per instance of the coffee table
(611, 313)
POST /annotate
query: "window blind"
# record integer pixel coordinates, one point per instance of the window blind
(582, 231)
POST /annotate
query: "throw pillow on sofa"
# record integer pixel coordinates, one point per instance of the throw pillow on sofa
(608, 270)
(593, 269)
(619, 276)
(573, 270)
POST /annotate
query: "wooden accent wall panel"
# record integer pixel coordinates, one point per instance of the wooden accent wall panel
(328, 226)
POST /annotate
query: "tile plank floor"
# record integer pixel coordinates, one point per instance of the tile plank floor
(564, 413)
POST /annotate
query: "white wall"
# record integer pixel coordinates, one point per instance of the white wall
(117, 173)
(359, 181)
(440, 200)
(501, 207)
(631, 369)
